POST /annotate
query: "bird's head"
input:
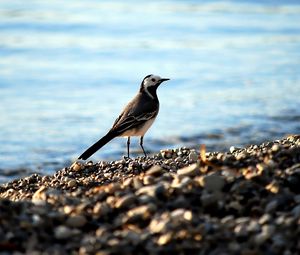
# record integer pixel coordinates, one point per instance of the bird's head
(150, 83)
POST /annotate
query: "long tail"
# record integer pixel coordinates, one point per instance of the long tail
(96, 146)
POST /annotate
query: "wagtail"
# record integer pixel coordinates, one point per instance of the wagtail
(136, 118)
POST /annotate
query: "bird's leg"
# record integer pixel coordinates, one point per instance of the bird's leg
(128, 145)
(141, 143)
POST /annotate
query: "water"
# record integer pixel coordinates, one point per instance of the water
(68, 68)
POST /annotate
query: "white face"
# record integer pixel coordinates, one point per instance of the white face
(152, 80)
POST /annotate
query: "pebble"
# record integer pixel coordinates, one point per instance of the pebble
(268, 230)
(148, 180)
(151, 190)
(245, 201)
(241, 230)
(62, 232)
(125, 201)
(137, 183)
(141, 212)
(253, 226)
(233, 149)
(212, 182)
(275, 148)
(265, 219)
(72, 183)
(155, 170)
(159, 225)
(76, 166)
(76, 221)
(68, 209)
(191, 170)
(167, 154)
(296, 211)
(164, 239)
(273, 187)
(209, 199)
(39, 194)
(271, 206)
(101, 210)
(193, 156)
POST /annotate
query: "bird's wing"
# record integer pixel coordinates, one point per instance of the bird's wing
(131, 121)
(137, 112)
(117, 120)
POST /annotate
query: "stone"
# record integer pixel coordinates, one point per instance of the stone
(235, 205)
(72, 183)
(296, 211)
(253, 226)
(76, 221)
(114, 210)
(209, 200)
(151, 190)
(155, 170)
(62, 232)
(76, 166)
(188, 215)
(275, 147)
(125, 201)
(167, 154)
(260, 238)
(68, 209)
(233, 149)
(140, 212)
(273, 187)
(159, 225)
(193, 156)
(241, 230)
(265, 219)
(271, 206)
(227, 220)
(191, 170)
(39, 194)
(268, 230)
(164, 239)
(148, 180)
(212, 182)
(137, 183)
(101, 209)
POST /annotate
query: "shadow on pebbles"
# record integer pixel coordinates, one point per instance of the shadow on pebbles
(245, 201)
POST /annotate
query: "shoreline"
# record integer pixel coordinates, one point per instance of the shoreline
(244, 201)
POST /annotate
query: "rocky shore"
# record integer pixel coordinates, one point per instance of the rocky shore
(244, 202)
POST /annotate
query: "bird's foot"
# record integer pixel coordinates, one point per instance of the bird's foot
(126, 158)
(144, 157)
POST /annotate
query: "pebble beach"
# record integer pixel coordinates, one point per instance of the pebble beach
(245, 201)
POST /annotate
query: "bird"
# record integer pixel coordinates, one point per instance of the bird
(135, 119)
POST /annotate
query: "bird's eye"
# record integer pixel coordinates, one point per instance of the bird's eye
(153, 79)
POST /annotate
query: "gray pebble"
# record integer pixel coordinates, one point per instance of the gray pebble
(296, 211)
(76, 221)
(271, 206)
(212, 182)
(62, 232)
(193, 156)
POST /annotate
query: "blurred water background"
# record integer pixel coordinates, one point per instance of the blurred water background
(68, 67)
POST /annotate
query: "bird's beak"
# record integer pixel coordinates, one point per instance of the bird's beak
(164, 79)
